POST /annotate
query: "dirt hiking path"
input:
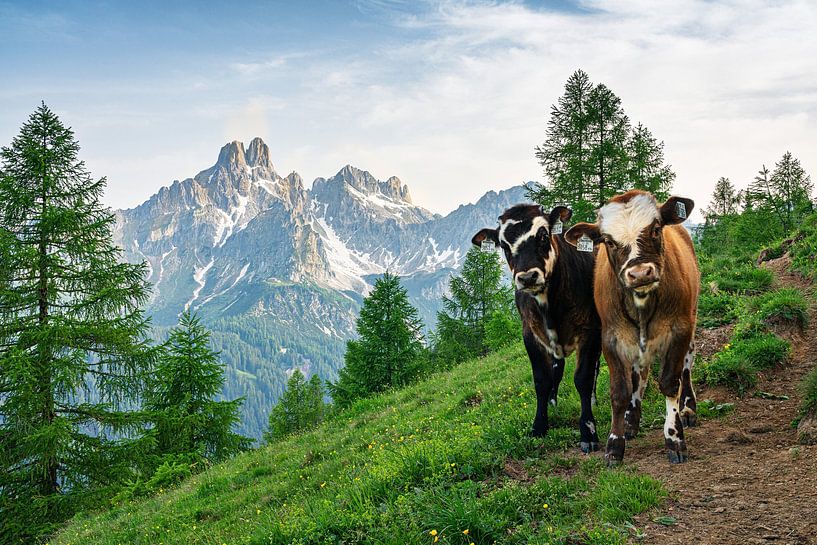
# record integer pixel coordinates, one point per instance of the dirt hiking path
(748, 480)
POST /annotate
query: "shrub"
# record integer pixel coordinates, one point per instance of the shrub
(738, 363)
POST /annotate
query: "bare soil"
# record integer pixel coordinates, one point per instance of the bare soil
(747, 480)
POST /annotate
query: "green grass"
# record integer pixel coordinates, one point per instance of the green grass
(395, 467)
(786, 305)
(717, 309)
(808, 389)
(738, 364)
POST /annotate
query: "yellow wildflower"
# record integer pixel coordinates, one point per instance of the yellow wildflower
(466, 531)
(433, 532)
(323, 484)
(545, 506)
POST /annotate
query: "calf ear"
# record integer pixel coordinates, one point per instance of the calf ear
(490, 234)
(575, 233)
(676, 210)
(560, 213)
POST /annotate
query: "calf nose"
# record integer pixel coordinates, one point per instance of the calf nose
(527, 278)
(642, 274)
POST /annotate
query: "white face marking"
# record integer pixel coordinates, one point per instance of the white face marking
(624, 221)
(536, 223)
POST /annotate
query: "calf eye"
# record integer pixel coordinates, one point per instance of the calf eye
(656, 232)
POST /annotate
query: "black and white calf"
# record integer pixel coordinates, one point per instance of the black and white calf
(554, 295)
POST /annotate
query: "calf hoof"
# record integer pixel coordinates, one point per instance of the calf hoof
(676, 457)
(689, 420)
(588, 447)
(676, 451)
(537, 433)
(611, 461)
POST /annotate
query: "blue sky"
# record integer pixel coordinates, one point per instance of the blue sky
(449, 96)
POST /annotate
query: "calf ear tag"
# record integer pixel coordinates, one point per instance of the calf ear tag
(681, 209)
(487, 246)
(556, 229)
(584, 244)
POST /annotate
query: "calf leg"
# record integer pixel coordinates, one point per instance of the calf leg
(558, 369)
(671, 386)
(587, 360)
(632, 416)
(620, 393)
(541, 365)
(688, 403)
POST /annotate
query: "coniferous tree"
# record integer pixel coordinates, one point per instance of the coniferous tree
(181, 396)
(609, 130)
(565, 154)
(786, 192)
(646, 169)
(300, 408)
(725, 201)
(477, 293)
(73, 349)
(389, 348)
(591, 153)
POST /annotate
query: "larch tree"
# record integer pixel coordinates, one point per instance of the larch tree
(725, 201)
(591, 152)
(74, 352)
(646, 168)
(300, 408)
(389, 347)
(476, 294)
(181, 396)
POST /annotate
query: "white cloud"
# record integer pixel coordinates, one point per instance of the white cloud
(454, 98)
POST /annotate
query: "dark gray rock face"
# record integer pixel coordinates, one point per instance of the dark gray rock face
(278, 272)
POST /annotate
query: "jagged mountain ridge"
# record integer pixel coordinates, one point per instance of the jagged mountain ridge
(278, 271)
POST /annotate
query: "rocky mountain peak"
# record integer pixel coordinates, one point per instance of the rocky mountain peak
(396, 189)
(232, 154)
(258, 154)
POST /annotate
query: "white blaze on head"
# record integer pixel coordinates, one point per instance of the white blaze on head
(536, 223)
(625, 221)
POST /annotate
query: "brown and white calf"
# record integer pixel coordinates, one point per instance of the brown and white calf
(554, 297)
(646, 291)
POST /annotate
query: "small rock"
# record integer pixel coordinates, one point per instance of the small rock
(807, 430)
(719, 510)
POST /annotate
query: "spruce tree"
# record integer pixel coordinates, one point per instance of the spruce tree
(389, 348)
(74, 353)
(300, 408)
(476, 294)
(592, 153)
(181, 396)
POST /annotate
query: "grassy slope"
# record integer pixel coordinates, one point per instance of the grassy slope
(394, 468)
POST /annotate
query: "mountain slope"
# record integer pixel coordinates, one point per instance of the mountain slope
(446, 455)
(278, 271)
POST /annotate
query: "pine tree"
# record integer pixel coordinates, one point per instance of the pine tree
(646, 169)
(477, 293)
(389, 348)
(74, 353)
(725, 201)
(181, 396)
(591, 153)
(300, 408)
